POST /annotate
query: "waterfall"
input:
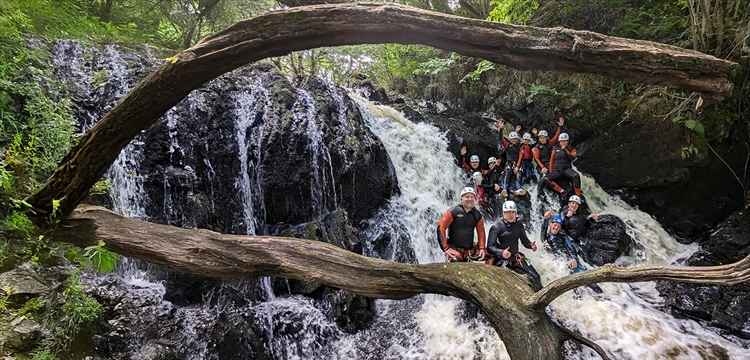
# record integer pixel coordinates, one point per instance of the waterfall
(627, 320)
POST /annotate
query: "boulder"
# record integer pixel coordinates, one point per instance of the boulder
(21, 285)
(24, 334)
(605, 240)
(725, 307)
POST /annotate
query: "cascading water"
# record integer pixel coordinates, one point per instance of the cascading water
(626, 320)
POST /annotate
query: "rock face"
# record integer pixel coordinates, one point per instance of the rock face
(23, 283)
(23, 334)
(605, 240)
(726, 307)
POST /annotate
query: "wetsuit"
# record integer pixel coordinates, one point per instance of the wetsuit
(527, 161)
(470, 170)
(456, 230)
(574, 226)
(503, 235)
(561, 165)
(542, 153)
(561, 246)
(512, 160)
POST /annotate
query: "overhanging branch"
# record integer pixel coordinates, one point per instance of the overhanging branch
(730, 274)
(281, 32)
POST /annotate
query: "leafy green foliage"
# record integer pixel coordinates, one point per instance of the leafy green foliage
(45, 354)
(688, 151)
(513, 11)
(691, 124)
(537, 89)
(100, 258)
(31, 307)
(475, 75)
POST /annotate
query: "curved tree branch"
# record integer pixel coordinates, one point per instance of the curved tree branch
(575, 337)
(281, 32)
(710, 275)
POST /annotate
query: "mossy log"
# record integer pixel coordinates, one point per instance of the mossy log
(281, 32)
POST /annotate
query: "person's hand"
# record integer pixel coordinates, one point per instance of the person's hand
(463, 150)
(533, 131)
(500, 123)
(497, 187)
(506, 253)
(573, 263)
(518, 128)
(548, 214)
(533, 246)
(544, 170)
(451, 253)
(560, 121)
(515, 170)
(482, 253)
(570, 213)
(595, 216)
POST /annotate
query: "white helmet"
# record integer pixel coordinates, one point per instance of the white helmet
(467, 190)
(509, 206)
(491, 160)
(563, 137)
(477, 175)
(513, 135)
(543, 133)
(527, 136)
(576, 198)
(474, 158)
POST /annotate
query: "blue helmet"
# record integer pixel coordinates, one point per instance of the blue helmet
(557, 219)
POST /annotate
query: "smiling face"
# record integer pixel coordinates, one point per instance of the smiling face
(564, 143)
(542, 139)
(573, 206)
(475, 164)
(467, 200)
(514, 141)
(554, 227)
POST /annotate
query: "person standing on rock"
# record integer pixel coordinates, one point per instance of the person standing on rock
(492, 177)
(561, 166)
(527, 158)
(542, 152)
(512, 157)
(574, 221)
(502, 244)
(456, 230)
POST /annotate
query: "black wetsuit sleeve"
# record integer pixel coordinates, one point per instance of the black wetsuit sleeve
(492, 245)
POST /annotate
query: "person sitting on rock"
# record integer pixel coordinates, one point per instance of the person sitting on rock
(558, 243)
(502, 244)
(481, 188)
(512, 157)
(492, 177)
(455, 230)
(542, 151)
(473, 165)
(561, 166)
(527, 158)
(575, 220)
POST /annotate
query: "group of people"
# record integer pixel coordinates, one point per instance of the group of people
(550, 158)
(560, 233)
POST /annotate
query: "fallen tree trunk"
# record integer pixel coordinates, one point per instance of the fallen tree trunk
(498, 292)
(517, 314)
(278, 33)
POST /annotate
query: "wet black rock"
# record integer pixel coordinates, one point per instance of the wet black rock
(726, 307)
(605, 240)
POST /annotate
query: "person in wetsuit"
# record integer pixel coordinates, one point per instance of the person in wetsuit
(527, 158)
(542, 152)
(456, 229)
(502, 244)
(473, 165)
(512, 157)
(561, 166)
(491, 179)
(558, 243)
(574, 221)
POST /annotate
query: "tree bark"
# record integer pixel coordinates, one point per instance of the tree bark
(499, 293)
(515, 312)
(281, 32)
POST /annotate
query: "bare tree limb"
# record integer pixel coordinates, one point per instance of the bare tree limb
(710, 275)
(586, 342)
(281, 32)
(499, 293)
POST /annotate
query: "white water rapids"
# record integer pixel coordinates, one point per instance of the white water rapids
(625, 320)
